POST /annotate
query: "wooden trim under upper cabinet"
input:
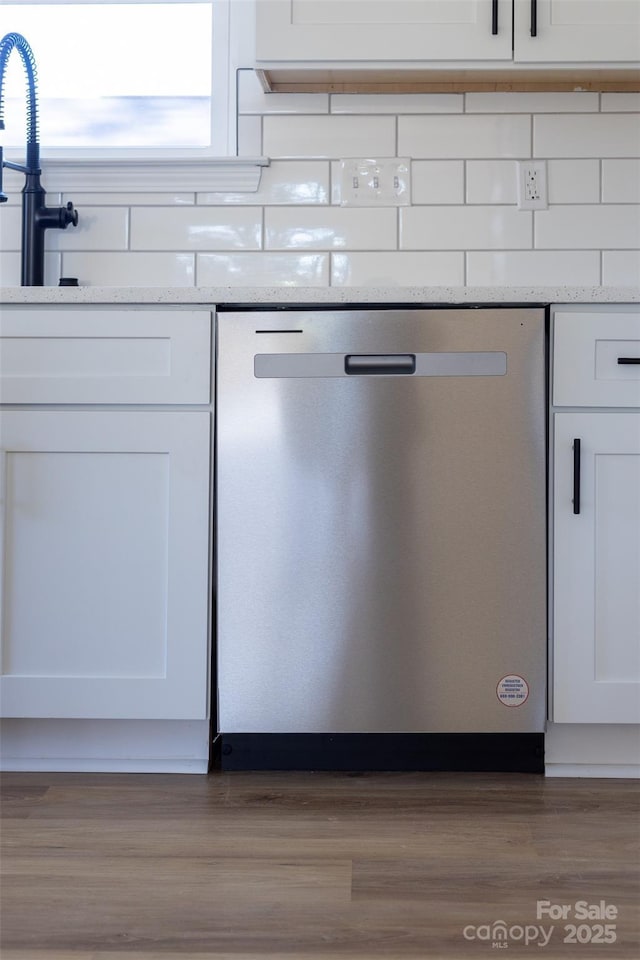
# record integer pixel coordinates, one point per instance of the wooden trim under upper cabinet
(296, 80)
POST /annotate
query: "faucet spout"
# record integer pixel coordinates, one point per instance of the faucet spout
(36, 215)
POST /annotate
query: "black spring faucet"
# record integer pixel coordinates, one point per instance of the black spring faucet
(36, 215)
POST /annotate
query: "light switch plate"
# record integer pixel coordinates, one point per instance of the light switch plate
(375, 183)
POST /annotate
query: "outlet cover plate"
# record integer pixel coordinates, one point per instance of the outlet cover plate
(532, 185)
(375, 183)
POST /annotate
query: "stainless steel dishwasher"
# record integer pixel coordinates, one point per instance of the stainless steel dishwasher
(381, 538)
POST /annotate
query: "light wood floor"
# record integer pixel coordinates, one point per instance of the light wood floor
(303, 865)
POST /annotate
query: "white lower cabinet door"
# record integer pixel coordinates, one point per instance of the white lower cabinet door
(105, 546)
(596, 630)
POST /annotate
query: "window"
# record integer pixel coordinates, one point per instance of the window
(122, 77)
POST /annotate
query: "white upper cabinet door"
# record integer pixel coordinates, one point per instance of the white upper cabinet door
(575, 31)
(105, 550)
(383, 30)
(596, 623)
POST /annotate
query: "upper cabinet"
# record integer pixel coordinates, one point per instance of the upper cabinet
(383, 30)
(407, 44)
(574, 31)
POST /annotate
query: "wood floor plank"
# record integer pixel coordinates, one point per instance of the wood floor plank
(301, 866)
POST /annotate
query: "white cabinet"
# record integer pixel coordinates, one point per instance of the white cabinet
(596, 525)
(597, 569)
(379, 30)
(105, 548)
(99, 355)
(105, 515)
(574, 31)
(427, 32)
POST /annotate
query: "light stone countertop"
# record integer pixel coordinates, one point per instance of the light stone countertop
(300, 296)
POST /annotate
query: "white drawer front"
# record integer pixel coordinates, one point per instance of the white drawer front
(101, 355)
(596, 360)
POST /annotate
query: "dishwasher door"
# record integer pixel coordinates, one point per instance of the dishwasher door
(381, 521)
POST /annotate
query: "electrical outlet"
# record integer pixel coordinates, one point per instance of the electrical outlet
(375, 183)
(532, 185)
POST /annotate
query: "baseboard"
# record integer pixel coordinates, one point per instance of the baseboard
(88, 765)
(605, 750)
(604, 771)
(104, 746)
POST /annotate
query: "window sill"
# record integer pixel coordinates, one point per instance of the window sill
(152, 175)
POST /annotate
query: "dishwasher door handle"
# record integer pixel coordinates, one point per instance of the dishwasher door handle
(380, 365)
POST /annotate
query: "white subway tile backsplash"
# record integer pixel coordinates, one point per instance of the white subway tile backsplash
(464, 228)
(395, 269)
(253, 99)
(621, 268)
(330, 228)
(10, 269)
(621, 181)
(10, 227)
(491, 181)
(594, 227)
(263, 269)
(336, 181)
(331, 137)
(131, 269)
(621, 102)
(99, 228)
(128, 199)
(437, 181)
(249, 136)
(289, 182)
(463, 225)
(531, 102)
(573, 181)
(595, 135)
(525, 268)
(569, 181)
(196, 228)
(464, 136)
(397, 103)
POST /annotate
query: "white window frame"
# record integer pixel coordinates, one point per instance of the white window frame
(213, 168)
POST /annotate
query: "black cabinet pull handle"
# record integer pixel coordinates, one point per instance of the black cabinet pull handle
(534, 18)
(576, 476)
(494, 18)
(628, 360)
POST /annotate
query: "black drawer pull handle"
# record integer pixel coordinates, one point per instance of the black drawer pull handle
(494, 18)
(534, 18)
(629, 360)
(576, 476)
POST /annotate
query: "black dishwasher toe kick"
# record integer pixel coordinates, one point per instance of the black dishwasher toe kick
(462, 752)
